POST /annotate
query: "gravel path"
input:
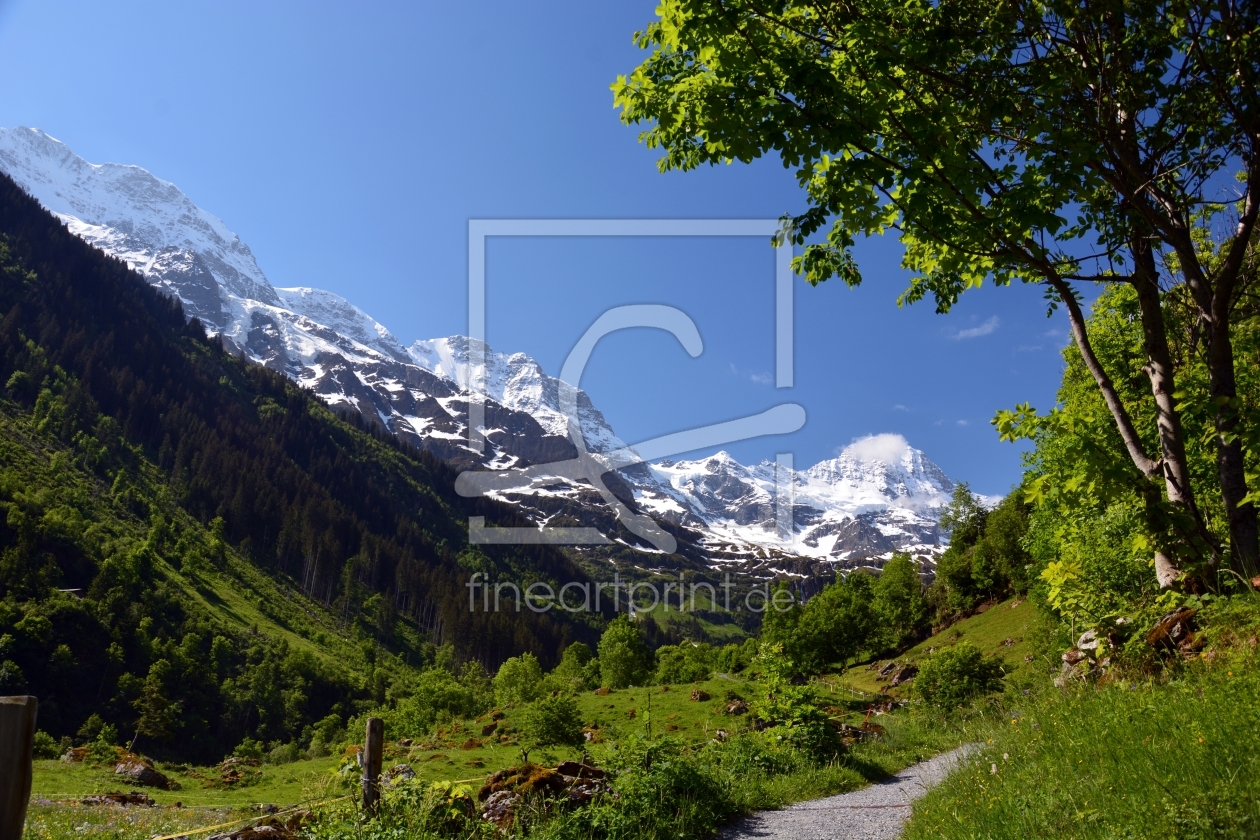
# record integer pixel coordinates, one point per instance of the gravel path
(873, 813)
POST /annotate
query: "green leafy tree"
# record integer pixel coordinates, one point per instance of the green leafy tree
(1088, 539)
(159, 715)
(553, 720)
(900, 606)
(684, 663)
(518, 680)
(624, 658)
(1046, 143)
(577, 670)
(833, 627)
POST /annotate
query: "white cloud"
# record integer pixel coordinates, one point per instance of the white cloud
(984, 329)
(900, 407)
(752, 375)
(964, 422)
(889, 448)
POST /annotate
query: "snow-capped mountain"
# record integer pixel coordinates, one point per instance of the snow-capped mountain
(878, 495)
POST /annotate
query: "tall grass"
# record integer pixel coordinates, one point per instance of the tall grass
(1172, 758)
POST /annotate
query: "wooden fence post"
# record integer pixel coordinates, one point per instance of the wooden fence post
(373, 743)
(17, 738)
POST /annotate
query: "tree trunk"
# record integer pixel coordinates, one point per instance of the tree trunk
(1195, 538)
(1244, 537)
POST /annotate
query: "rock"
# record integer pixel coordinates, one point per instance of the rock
(699, 696)
(404, 742)
(500, 808)
(888, 669)
(1089, 640)
(1172, 629)
(664, 689)
(1255, 582)
(470, 744)
(903, 675)
(580, 770)
(271, 828)
(1008, 642)
(603, 692)
(671, 728)
(141, 772)
(632, 714)
(735, 707)
(1073, 656)
(398, 774)
(135, 798)
(721, 736)
(489, 728)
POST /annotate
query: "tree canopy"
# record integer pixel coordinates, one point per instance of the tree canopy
(1048, 143)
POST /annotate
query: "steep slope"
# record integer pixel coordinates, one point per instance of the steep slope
(210, 458)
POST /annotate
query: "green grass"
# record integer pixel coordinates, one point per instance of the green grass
(1015, 620)
(1177, 758)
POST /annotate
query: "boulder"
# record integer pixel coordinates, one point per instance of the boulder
(603, 692)
(735, 707)
(141, 771)
(1089, 640)
(489, 728)
(499, 808)
(904, 675)
(134, 798)
(470, 744)
(398, 774)
(699, 696)
(1073, 656)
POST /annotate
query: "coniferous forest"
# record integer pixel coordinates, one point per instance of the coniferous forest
(145, 468)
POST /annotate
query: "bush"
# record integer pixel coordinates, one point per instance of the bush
(956, 675)
(284, 754)
(518, 680)
(45, 746)
(249, 748)
(553, 720)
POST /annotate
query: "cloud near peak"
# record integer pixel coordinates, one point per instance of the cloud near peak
(889, 448)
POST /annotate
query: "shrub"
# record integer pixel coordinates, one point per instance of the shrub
(554, 719)
(956, 675)
(249, 748)
(284, 754)
(45, 746)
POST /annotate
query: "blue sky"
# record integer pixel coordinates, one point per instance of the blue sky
(348, 145)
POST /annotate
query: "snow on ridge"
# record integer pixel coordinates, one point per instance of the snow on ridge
(129, 212)
(518, 382)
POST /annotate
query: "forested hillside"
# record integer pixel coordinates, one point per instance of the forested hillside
(193, 548)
